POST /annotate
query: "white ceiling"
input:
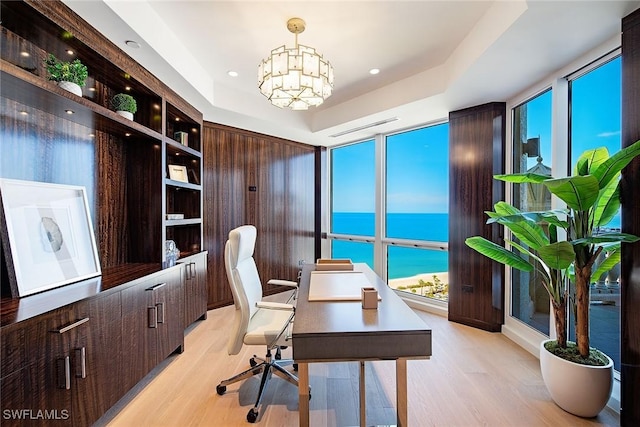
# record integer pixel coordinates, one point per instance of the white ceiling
(434, 56)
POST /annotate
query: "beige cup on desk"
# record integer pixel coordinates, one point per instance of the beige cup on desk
(369, 298)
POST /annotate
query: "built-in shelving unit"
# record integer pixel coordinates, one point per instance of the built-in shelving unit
(139, 303)
(122, 163)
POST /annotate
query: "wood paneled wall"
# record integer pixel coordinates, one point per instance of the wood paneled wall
(256, 179)
(476, 153)
(630, 194)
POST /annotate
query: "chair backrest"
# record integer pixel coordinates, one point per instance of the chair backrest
(244, 281)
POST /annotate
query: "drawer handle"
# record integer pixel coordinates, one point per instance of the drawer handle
(154, 287)
(64, 373)
(81, 362)
(71, 326)
(160, 312)
(152, 314)
(192, 270)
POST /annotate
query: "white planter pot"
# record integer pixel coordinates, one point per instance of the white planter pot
(579, 389)
(71, 87)
(126, 114)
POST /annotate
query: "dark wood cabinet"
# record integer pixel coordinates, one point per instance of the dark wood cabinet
(62, 367)
(152, 323)
(195, 287)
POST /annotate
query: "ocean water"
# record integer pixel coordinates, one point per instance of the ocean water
(403, 261)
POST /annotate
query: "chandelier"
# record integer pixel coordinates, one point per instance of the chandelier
(295, 77)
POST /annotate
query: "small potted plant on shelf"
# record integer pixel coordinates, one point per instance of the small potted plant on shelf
(70, 76)
(563, 245)
(124, 104)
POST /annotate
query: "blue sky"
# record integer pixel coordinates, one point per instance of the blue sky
(418, 179)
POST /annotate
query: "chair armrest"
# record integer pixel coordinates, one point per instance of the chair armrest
(279, 282)
(274, 305)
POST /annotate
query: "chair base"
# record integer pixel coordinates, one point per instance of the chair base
(267, 367)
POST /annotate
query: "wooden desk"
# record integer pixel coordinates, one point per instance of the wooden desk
(328, 331)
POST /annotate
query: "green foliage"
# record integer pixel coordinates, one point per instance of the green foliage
(592, 197)
(124, 102)
(60, 71)
(571, 353)
(435, 289)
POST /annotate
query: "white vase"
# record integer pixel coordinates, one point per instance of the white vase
(71, 87)
(579, 389)
(127, 114)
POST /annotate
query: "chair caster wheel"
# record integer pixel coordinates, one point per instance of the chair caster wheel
(221, 389)
(253, 362)
(252, 415)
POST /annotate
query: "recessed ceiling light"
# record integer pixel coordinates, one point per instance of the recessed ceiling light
(69, 111)
(132, 43)
(24, 54)
(24, 113)
(127, 134)
(127, 88)
(92, 89)
(69, 51)
(232, 73)
(374, 71)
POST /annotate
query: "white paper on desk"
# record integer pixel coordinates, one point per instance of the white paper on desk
(337, 285)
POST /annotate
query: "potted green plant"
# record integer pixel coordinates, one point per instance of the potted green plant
(124, 104)
(71, 76)
(563, 245)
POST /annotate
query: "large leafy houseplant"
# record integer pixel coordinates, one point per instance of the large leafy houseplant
(564, 244)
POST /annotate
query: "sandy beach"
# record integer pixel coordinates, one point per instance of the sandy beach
(413, 280)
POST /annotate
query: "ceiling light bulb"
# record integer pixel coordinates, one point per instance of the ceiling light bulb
(374, 71)
(232, 73)
(69, 111)
(69, 51)
(24, 54)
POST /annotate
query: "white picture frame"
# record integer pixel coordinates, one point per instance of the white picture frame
(178, 173)
(47, 236)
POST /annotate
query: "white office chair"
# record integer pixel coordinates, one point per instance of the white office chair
(256, 322)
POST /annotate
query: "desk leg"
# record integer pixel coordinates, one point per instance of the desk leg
(303, 394)
(363, 398)
(401, 392)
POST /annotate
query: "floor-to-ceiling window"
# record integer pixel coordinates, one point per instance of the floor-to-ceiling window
(596, 122)
(353, 186)
(531, 153)
(416, 210)
(550, 129)
(390, 209)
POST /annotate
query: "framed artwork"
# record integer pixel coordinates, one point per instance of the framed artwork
(47, 235)
(178, 173)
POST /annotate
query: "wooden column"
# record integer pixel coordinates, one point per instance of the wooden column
(476, 153)
(630, 194)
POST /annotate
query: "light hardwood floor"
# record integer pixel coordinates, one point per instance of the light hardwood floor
(474, 378)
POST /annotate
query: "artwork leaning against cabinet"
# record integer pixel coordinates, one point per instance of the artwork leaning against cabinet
(47, 236)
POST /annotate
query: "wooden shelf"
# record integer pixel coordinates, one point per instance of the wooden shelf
(180, 184)
(174, 147)
(186, 221)
(34, 92)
